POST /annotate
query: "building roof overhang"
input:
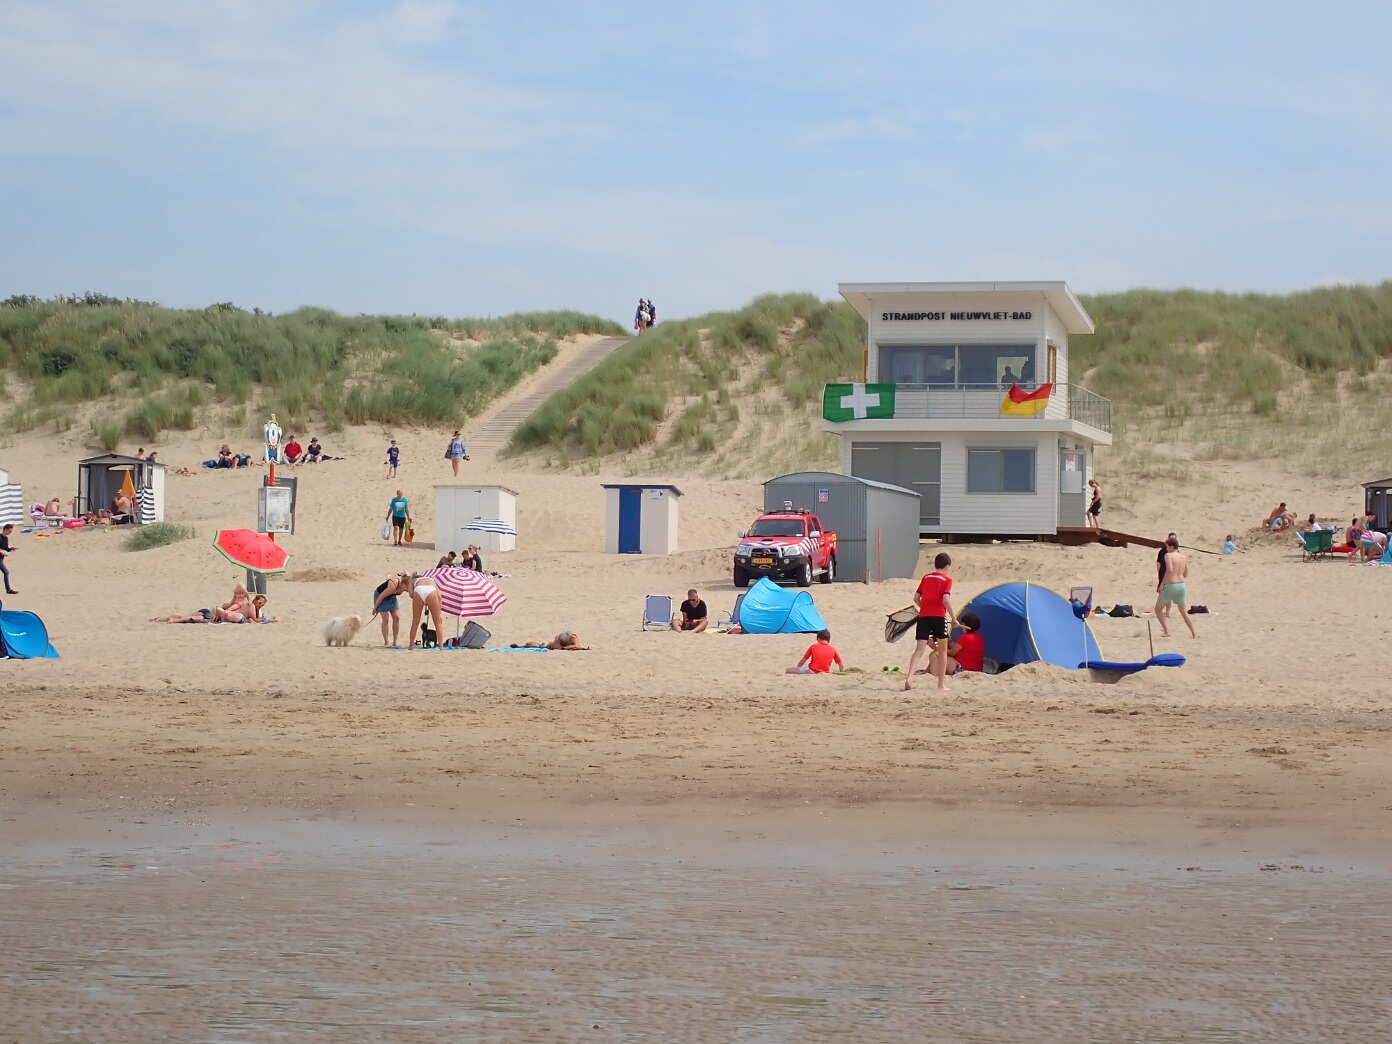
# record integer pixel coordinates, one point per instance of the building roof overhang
(863, 297)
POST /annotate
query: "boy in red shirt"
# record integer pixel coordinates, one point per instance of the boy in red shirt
(819, 657)
(935, 617)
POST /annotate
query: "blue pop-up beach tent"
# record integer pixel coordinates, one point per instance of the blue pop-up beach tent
(770, 609)
(1023, 622)
(23, 636)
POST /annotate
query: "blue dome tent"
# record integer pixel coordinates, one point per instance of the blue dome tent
(770, 609)
(1023, 622)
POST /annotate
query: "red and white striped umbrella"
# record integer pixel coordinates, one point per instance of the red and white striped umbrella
(466, 592)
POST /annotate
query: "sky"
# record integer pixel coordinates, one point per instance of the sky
(453, 158)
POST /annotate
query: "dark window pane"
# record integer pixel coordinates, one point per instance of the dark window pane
(983, 471)
(1018, 471)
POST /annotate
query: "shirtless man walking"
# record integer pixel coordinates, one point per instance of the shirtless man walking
(1171, 588)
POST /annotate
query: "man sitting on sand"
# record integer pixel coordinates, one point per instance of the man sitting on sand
(1172, 589)
(1280, 518)
(447, 561)
(692, 616)
(293, 450)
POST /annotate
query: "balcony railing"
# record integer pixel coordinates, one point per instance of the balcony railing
(983, 401)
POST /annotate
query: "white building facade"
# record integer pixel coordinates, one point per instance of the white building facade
(937, 415)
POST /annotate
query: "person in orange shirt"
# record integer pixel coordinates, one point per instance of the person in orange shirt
(819, 657)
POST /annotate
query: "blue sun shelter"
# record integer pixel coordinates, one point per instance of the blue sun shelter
(23, 636)
(770, 609)
(1023, 622)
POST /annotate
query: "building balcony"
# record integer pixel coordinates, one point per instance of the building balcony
(964, 407)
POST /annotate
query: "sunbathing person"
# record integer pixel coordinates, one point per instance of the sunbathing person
(54, 508)
(567, 641)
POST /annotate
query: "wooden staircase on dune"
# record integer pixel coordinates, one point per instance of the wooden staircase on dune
(497, 429)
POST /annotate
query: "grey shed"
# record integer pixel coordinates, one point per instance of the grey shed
(1377, 501)
(876, 524)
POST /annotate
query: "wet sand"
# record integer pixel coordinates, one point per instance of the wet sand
(257, 930)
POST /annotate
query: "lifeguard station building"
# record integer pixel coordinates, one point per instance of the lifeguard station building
(967, 402)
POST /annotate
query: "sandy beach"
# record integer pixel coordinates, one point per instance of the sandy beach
(1266, 752)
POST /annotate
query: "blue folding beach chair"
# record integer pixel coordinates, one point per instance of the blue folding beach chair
(657, 611)
(733, 618)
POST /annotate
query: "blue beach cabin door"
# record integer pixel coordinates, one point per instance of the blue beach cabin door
(630, 521)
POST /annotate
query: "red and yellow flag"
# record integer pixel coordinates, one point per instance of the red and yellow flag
(1020, 403)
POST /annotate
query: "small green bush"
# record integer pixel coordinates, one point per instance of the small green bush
(158, 534)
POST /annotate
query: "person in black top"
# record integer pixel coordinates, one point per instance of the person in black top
(692, 616)
(471, 559)
(5, 548)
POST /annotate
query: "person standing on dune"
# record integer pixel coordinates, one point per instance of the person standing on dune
(456, 452)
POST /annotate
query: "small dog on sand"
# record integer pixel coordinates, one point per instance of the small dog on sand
(340, 630)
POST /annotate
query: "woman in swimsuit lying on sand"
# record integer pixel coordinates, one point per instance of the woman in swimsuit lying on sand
(254, 614)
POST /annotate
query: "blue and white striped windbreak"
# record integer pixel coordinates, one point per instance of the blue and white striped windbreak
(490, 525)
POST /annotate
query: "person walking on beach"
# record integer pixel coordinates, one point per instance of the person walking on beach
(640, 317)
(1172, 590)
(6, 549)
(935, 619)
(399, 515)
(393, 459)
(456, 451)
(1094, 511)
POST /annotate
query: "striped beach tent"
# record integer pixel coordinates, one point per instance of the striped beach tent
(145, 506)
(491, 525)
(12, 505)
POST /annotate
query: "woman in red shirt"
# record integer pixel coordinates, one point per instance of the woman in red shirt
(968, 652)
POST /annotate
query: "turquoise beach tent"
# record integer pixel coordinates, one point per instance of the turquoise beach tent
(23, 636)
(770, 609)
(1023, 622)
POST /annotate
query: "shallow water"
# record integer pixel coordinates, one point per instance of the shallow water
(323, 931)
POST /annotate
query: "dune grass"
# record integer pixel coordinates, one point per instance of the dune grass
(169, 363)
(158, 534)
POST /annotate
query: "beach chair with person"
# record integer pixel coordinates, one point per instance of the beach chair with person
(1317, 543)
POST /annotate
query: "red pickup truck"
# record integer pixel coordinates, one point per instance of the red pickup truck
(786, 546)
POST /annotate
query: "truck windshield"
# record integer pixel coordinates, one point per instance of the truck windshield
(777, 527)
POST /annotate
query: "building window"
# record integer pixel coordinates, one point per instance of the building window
(1000, 470)
(959, 366)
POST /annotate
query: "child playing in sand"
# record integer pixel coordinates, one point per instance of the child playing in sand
(819, 657)
(393, 459)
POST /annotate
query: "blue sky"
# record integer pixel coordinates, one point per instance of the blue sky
(473, 159)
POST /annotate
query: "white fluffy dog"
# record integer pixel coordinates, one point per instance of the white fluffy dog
(340, 630)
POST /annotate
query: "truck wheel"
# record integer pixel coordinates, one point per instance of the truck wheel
(741, 577)
(804, 577)
(830, 575)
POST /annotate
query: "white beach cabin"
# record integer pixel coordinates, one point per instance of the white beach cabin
(967, 402)
(458, 507)
(640, 518)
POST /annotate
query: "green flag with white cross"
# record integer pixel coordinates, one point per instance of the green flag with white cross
(843, 402)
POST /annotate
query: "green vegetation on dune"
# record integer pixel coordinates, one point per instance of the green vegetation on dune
(168, 363)
(779, 350)
(1187, 349)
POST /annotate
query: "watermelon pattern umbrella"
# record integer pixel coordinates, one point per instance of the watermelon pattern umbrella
(466, 593)
(251, 550)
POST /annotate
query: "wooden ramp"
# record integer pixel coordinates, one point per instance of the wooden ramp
(1075, 536)
(495, 430)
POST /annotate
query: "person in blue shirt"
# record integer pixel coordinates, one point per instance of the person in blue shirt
(393, 458)
(399, 515)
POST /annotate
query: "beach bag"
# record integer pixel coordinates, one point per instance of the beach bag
(410, 531)
(1122, 610)
(386, 530)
